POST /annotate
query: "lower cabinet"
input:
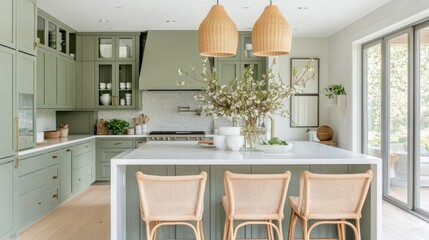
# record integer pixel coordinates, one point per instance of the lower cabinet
(6, 198)
(106, 150)
(43, 182)
(83, 165)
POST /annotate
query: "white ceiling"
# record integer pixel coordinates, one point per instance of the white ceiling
(322, 18)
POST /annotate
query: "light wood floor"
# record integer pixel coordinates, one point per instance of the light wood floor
(87, 217)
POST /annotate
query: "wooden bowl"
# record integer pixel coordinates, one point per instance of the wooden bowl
(52, 134)
(325, 133)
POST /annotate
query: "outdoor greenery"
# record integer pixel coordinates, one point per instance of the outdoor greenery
(398, 93)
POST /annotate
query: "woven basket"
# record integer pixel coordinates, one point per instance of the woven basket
(52, 134)
(325, 133)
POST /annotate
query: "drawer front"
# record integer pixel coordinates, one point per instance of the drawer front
(82, 177)
(116, 143)
(52, 197)
(32, 164)
(82, 160)
(52, 158)
(31, 181)
(105, 171)
(83, 148)
(52, 176)
(31, 203)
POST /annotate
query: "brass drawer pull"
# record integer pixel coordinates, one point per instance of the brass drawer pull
(39, 203)
(54, 177)
(68, 150)
(55, 156)
(118, 143)
(55, 196)
(86, 146)
(79, 179)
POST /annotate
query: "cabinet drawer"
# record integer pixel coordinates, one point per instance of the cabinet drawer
(116, 143)
(32, 164)
(31, 203)
(108, 154)
(52, 158)
(82, 177)
(105, 171)
(31, 181)
(82, 148)
(52, 177)
(82, 160)
(52, 197)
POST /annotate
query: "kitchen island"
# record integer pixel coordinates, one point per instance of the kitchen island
(180, 158)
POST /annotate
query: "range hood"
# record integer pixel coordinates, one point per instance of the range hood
(164, 53)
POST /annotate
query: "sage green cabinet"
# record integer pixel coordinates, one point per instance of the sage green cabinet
(106, 150)
(25, 104)
(7, 76)
(115, 48)
(55, 36)
(8, 23)
(7, 206)
(83, 166)
(115, 80)
(55, 81)
(85, 85)
(85, 46)
(26, 26)
(66, 174)
(229, 68)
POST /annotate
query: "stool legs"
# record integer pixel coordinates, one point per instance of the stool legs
(292, 223)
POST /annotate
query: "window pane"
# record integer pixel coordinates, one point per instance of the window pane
(398, 57)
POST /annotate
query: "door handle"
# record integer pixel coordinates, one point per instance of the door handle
(17, 142)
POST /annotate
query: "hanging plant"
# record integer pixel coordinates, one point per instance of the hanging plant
(334, 90)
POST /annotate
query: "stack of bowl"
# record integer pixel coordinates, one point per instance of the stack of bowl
(229, 138)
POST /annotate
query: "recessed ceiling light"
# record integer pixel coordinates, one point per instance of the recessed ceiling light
(109, 28)
(295, 29)
(118, 7)
(249, 28)
(246, 8)
(302, 8)
(103, 20)
(170, 21)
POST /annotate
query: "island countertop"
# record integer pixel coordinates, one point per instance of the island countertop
(190, 153)
(183, 157)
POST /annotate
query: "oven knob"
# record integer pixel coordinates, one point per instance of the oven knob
(163, 138)
(168, 138)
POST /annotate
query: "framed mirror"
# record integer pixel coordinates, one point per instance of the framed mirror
(304, 106)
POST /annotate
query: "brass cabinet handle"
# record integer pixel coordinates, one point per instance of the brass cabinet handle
(79, 179)
(17, 142)
(55, 196)
(68, 150)
(86, 146)
(54, 177)
(54, 157)
(39, 203)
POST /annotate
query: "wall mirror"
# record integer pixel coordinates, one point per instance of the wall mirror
(304, 106)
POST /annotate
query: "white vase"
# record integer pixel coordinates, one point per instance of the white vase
(106, 99)
(342, 102)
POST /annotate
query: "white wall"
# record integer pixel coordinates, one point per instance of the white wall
(304, 48)
(345, 59)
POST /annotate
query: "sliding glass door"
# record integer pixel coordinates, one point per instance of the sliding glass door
(422, 106)
(398, 60)
(396, 113)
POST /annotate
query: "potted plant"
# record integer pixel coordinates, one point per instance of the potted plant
(332, 91)
(117, 126)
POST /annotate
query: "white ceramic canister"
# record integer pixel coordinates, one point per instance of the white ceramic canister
(138, 129)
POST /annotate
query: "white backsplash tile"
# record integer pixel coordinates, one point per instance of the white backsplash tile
(46, 120)
(162, 109)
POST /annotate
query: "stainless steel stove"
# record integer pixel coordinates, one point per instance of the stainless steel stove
(176, 136)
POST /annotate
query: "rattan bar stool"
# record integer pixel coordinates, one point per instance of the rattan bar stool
(329, 199)
(172, 200)
(254, 199)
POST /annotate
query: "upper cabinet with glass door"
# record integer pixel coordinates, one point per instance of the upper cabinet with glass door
(55, 36)
(116, 48)
(246, 48)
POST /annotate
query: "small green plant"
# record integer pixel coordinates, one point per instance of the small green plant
(117, 126)
(334, 90)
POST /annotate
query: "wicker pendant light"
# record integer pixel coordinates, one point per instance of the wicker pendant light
(271, 35)
(217, 35)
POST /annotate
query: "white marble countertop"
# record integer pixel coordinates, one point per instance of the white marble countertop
(189, 153)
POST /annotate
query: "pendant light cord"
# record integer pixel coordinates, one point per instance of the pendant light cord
(271, 2)
(217, 2)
